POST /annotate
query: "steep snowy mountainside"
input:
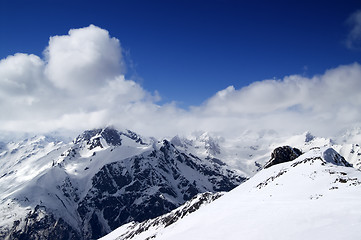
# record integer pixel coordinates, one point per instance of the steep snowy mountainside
(315, 196)
(22, 161)
(150, 184)
(103, 179)
(147, 229)
(19, 163)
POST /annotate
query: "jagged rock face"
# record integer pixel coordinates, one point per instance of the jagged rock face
(107, 178)
(283, 154)
(42, 226)
(147, 186)
(132, 135)
(92, 137)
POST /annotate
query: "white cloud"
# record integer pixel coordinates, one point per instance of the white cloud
(77, 84)
(83, 60)
(293, 93)
(323, 104)
(353, 40)
(20, 74)
(80, 85)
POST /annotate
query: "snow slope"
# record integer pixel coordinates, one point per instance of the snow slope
(312, 197)
(22, 161)
(149, 228)
(103, 179)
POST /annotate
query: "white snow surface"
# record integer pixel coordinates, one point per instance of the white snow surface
(307, 198)
(19, 164)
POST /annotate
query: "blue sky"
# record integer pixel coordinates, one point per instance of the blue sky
(189, 50)
(218, 66)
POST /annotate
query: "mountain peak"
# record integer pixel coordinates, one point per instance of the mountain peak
(109, 134)
(309, 137)
(329, 155)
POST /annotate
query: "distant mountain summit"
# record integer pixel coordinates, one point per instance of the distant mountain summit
(102, 180)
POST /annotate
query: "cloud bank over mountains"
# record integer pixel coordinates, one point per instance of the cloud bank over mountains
(79, 84)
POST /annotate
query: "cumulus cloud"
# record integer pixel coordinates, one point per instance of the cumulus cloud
(76, 84)
(322, 104)
(83, 60)
(20, 74)
(353, 40)
(79, 84)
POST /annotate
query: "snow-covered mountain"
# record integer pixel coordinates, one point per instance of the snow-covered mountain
(102, 180)
(149, 228)
(315, 196)
(250, 150)
(106, 178)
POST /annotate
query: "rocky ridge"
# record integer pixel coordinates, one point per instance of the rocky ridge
(104, 179)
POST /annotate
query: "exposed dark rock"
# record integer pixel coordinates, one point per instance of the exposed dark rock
(92, 137)
(283, 154)
(134, 136)
(111, 136)
(41, 225)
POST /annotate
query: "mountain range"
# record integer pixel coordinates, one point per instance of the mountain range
(141, 187)
(101, 180)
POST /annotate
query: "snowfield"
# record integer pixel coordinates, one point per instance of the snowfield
(313, 197)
